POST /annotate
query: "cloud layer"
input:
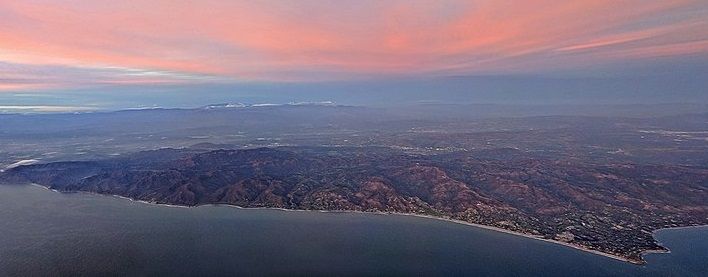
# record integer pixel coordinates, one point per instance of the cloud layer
(48, 44)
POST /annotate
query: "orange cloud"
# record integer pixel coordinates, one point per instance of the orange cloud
(320, 40)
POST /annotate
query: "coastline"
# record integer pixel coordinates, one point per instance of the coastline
(496, 229)
(486, 227)
(668, 250)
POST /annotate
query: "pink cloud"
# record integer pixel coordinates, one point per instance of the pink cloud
(320, 40)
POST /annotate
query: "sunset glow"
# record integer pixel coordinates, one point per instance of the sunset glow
(48, 44)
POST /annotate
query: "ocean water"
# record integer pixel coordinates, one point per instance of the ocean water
(44, 233)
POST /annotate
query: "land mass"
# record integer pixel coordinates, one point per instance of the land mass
(611, 208)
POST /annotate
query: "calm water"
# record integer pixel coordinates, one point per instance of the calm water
(47, 233)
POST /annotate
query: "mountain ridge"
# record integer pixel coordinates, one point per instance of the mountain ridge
(607, 208)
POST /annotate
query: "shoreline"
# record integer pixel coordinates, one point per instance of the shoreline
(448, 220)
(536, 237)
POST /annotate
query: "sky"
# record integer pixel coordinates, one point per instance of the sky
(58, 55)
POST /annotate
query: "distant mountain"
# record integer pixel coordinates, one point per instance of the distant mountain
(224, 106)
(612, 208)
(241, 105)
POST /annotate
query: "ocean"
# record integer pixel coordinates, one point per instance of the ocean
(45, 233)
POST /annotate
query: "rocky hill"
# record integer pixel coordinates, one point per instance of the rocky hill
(612, 208)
